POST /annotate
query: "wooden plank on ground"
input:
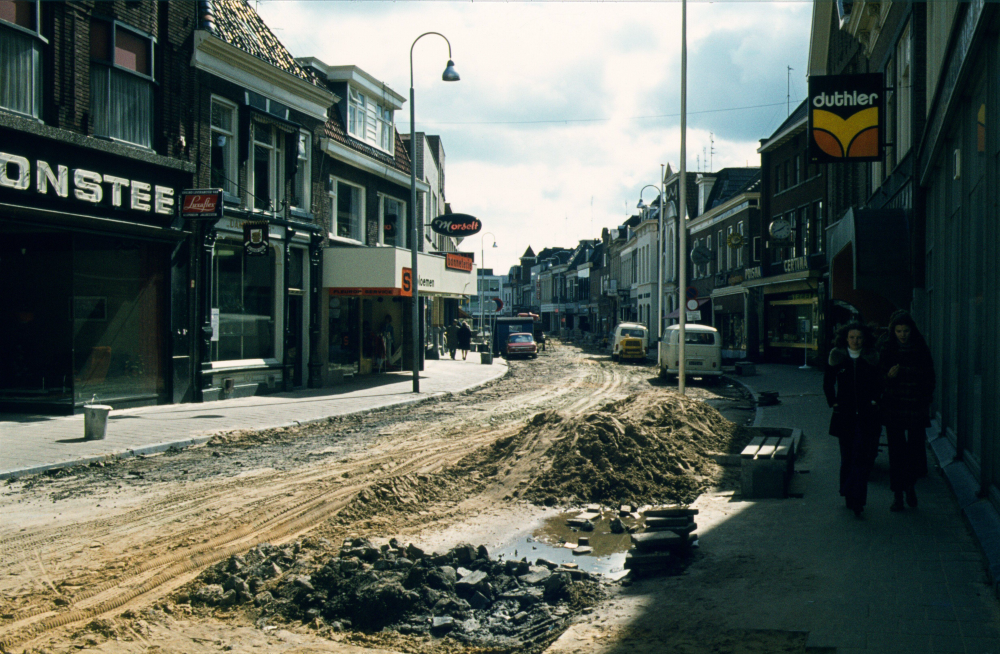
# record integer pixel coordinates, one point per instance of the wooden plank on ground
(767, 449)
(750, 451)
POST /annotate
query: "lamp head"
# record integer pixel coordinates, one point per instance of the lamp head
(494, 243)
(450, 74)
(641, 205)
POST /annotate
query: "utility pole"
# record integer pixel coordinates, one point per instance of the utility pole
(788, 92)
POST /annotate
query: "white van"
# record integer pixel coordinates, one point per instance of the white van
(702, 351)
(630, 330)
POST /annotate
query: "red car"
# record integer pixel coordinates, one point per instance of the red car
(521, 345)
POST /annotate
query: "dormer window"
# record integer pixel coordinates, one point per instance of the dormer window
(370, 121)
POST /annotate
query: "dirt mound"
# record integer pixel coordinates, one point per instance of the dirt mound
(402, 593)
(648, 448)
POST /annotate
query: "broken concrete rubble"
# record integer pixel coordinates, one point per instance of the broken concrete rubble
(460, 594)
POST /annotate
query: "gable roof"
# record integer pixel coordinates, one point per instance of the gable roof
(730, 182)
(236, 23)
(528, 253)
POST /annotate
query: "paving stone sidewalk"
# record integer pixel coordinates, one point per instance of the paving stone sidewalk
(31, 444)
(911, 582)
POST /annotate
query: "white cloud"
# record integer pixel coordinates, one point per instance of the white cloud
(556, 182)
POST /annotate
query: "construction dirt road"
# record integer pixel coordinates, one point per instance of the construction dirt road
(348, 535)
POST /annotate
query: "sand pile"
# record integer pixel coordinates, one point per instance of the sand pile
(648, 448)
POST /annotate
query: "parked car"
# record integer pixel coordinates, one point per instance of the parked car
(631, 342)
(521, 345)
(702, 352)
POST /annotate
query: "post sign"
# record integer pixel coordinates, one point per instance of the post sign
(256, 240)
(406, 284)
(456, 224)
(846, 117)
(201, 203)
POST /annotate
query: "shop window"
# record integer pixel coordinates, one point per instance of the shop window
(224, 174)
(300, 184)
(121, 83)
(243, 295)
(392, 221)
(267, 167)
(348, 203)
(20, 58)
(119, 319)
(805, 232)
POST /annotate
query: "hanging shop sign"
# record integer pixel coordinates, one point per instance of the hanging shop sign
(846, 114)
(456, 224)
(201, 203)
(256, 241)
(455, 261)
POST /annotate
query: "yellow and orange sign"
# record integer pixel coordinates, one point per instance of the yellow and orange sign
(846, 117)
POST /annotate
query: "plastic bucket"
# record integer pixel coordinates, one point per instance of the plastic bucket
(95, 421)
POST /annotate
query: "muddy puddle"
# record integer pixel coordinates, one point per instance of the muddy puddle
(556, 536)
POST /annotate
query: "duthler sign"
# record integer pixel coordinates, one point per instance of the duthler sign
(846, 118)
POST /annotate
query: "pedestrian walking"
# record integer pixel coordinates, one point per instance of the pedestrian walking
(852, 384)
(909, 380)
(464, 339)
(452, 335)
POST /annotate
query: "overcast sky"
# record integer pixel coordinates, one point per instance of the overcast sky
(566, 109)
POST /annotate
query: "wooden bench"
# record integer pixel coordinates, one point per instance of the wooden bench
(768, 461)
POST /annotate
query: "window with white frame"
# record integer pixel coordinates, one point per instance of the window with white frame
(370, 121)
(904, 94)
(708, 265)
(300, 185)
(720, 252)
(20, 58)
(121, 83)
(729, 247)
(266, 178)
(739, 250)
(348, 202)
(223, 158)
(392, 222)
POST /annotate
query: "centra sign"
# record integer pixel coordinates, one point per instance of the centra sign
(846, 114)
(456, 224)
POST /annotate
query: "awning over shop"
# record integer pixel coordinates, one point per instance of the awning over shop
(384, 271)
(869, 258)
(676, 312)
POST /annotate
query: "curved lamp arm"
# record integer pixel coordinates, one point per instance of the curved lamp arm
(449, 75)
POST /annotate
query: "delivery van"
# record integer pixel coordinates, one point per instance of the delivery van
(631, 342)
(702, 351)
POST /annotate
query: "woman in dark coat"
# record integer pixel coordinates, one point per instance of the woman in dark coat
(464, 338)
(908, 370)
(852, 383)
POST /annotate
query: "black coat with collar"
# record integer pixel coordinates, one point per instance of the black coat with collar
(853, 388)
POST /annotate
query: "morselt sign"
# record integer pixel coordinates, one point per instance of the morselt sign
(456, 224)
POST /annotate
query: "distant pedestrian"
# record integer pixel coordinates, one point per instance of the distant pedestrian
(541, 340)
(464, 339)
(852, 384)
(452, 335)
(906, 363)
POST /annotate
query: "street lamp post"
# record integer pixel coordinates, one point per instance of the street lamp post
(449, 75)
(659, 258)
(482, 281)
(682, 210)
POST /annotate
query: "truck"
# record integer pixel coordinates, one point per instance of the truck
(511, 325)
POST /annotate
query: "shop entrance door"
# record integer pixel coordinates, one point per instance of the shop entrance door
(296, 308)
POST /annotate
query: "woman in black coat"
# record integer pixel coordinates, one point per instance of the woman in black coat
(908, 371)
(464, 338)
(853, 385)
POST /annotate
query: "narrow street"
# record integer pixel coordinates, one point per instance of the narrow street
(112, 540)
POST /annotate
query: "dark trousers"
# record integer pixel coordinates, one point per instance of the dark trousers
(907, 455)
(858, 451)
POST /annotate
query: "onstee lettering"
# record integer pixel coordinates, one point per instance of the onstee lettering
(141, 196)
(164, 202)
(88, 186)
(23, 178)
(44, 176)
(116, 188)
